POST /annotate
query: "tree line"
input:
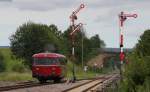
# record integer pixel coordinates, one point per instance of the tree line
(31, 38)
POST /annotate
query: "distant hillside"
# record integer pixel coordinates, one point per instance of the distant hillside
(106, 53)
(4, 46)
(115, 50)
(99, 60)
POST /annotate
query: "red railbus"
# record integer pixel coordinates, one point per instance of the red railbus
(49, 66)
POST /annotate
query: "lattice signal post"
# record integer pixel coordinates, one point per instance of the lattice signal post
(74, 29)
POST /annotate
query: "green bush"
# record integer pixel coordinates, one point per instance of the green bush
(18, 66)
(15, 76)
(136, 75)
(2, 64)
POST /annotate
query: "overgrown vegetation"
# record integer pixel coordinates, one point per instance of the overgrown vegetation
(2, 64)
(137, 72)
(14, 69)
(10, 62)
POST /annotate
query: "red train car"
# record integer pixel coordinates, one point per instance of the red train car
(49, 66)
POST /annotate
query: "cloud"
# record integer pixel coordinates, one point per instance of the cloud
(42, 5)
(5, 0)
(38, 5)
(114, 3)
(113, 8)
(101, 17)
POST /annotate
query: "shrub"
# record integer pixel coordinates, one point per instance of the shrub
(2, 64)
(18, 66)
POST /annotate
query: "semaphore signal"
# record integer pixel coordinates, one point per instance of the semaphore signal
(122, 18)
(74, 29)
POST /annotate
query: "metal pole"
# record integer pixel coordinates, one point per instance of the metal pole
(122, 18)
(82, 48)
(73, 17)
(121, 47)
(73, 54)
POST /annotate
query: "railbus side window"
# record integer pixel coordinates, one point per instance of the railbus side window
(63, 61)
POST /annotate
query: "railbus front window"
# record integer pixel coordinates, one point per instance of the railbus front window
(46, 61)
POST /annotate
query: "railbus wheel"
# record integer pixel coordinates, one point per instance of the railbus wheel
(42, 80)
(58, 80)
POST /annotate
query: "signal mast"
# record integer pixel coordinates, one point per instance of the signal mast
(74, 29)
(122, 18)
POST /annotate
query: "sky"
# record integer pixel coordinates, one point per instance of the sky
(100, 17)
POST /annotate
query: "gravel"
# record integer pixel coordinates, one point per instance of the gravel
(50, 88)
(4, 83)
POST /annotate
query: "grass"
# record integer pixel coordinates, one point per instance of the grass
(13, 70)
(14, 76)
(8, 59)
(80, 73)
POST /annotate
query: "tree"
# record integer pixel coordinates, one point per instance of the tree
(143, 46)
(90, 45)
(96, 42)
(31, 38)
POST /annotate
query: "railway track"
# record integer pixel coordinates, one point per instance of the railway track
(84, 87)
(22, 85)
(29, 84)
(92, 85)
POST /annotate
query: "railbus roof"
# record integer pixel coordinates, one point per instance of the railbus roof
(48, 55)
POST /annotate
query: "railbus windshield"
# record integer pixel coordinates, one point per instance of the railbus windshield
(50, 61)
